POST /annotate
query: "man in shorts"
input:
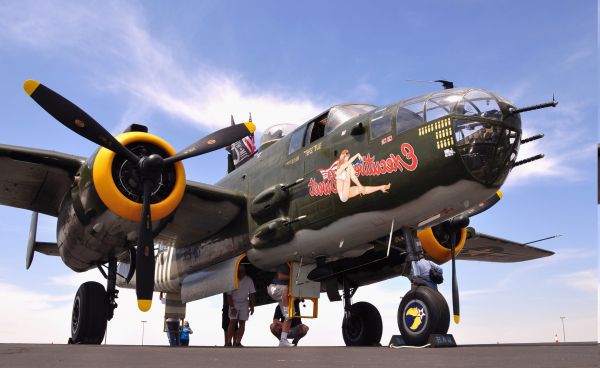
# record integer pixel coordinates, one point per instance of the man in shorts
(297, 329)
(241, 304)
(278, 290)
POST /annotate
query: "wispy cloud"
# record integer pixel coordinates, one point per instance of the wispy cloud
(586, 280)
(568, 144)
(114, 42)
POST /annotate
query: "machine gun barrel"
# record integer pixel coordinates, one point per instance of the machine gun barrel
(552, 103)
(532, 138)
(527, 160)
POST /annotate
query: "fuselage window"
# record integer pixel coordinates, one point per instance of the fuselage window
(296, 140)
(409, 116)
(381, 123)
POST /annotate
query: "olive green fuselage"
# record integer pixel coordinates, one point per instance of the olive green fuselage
(308, 201)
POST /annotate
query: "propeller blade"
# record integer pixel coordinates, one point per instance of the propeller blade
(74, 118)
(485, 205)
(144, 279)
(455, 298)
(214, 141)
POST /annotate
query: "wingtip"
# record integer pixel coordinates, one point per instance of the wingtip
(30, 86)
(144, 305)
(250, 126)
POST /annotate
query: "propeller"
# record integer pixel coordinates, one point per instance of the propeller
(455, 297)
(149, 169)
(455, 224)
(74, 118)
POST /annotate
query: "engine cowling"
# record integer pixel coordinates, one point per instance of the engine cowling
(116, 179)
(436, 242)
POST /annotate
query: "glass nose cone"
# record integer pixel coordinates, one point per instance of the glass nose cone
(487, 149)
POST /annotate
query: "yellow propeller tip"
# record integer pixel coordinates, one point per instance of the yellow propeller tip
(500, 195)
(250, 126)
(30, 86)
(456, 319)
(144, 305)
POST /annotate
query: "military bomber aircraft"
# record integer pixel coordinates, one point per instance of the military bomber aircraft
(352, 197)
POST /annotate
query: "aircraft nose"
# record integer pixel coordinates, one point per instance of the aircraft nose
(487, 148)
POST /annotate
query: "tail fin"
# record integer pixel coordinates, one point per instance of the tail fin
(241, 151)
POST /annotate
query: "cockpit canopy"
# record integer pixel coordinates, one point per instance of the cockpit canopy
(275, 133)
(320, 126)
(461, 101)
(340, 114)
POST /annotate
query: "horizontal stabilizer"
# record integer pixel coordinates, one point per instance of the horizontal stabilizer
(487, 248)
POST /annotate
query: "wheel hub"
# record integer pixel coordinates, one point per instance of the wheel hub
(415, 316)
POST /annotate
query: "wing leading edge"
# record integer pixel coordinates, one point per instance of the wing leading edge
(487, 248)
(204, 211)
(36, 179)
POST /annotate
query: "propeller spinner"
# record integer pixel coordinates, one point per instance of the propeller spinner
(148, 168)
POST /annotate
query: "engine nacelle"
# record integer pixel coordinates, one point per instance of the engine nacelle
(115, 178)
(436, 242)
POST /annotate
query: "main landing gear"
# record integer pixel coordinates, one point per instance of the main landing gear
(423, 311)
(93, 307)
(362, 324)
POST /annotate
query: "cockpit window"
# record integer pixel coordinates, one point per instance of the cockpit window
(381, 123)
(296, 140)
(275, 133)
(438, 106)
(481, 104)
(315, 129)
(340, 114)
(409, 116)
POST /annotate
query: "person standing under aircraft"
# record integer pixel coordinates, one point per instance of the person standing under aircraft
(225, 322)
(297, 329)
(427, 273)
(241, 301)
(173, 331)
(184, 338)
(279, 291)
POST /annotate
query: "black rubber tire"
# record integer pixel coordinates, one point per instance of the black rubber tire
(442, 327)
(88, 318)
(431, 309)
(364, 327)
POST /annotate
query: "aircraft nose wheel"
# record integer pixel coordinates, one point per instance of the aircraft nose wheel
(422, 312)
(88, 319)
(362, 326)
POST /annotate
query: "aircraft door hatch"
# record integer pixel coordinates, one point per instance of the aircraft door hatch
(302, 288)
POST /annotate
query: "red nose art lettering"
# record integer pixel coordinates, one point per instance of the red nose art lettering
(366, 165)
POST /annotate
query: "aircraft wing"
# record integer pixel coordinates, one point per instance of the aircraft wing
(35, 179)
(487, 248)
(204, 211)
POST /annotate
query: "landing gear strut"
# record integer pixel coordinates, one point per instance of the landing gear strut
(93, 307)
(362, 324)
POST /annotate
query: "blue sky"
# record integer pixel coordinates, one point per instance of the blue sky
(183, 68)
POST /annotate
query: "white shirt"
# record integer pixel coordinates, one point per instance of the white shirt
(245, 287)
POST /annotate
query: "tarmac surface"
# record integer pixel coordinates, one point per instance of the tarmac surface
(480, 356)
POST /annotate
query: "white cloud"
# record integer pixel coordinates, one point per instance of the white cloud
(568, 143)
(113, 41)
(585, 280)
